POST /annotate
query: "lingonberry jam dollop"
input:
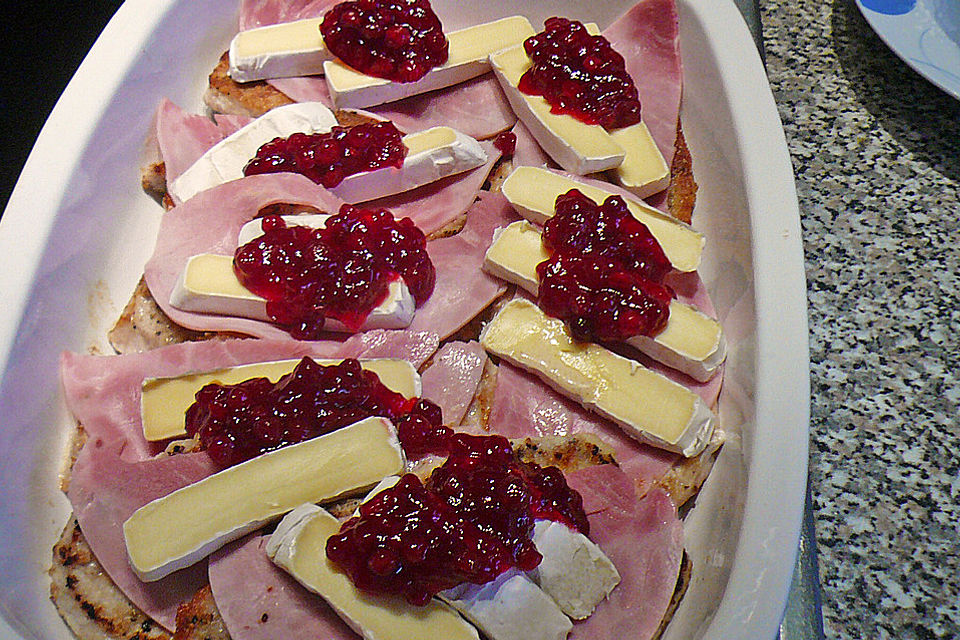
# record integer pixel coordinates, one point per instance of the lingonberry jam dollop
(469, 522)
(604, 275)
(328, 158)
(341, 271)
(580, 75)
(506, 143)
(399, 40)
(240, 421)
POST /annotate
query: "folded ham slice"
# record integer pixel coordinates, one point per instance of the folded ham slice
(103, 392)
(644, 539)
(260, 601)
(451, 381)
(183, 137)
(105, 490)
(463, 290)
(477, 107)
(260, 13)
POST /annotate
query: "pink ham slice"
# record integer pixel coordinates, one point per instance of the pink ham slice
(452, 380)
(183, 137)
(647, 37)
(260, 13)
(105, 491)
(103, 392)
(477, 107)
(209, 223)
(463, 290)
(644, 539)
(528, 152)
(260, 601)
(434, 206)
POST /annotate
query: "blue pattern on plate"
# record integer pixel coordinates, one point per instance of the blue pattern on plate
(890, 7)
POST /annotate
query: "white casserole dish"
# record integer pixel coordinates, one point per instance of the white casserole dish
(78, 230)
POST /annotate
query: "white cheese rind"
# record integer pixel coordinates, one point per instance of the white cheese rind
(435, 154)
(208, 284)
(286, 50)
(644, 170)
(164, 401)
(468, 56)
(511, 607)
(576, 146)
(298, 546)
(181, 528)
(533, 193)
(646, 405)
(225, 160)
(254, 229)
(692, 342)
(574, 571)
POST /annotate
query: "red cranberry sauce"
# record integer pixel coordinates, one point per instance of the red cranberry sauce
(506, 143)
(328, 158)
(471, 521)
(341, 271)
(399, 40)
(240, 421)
(580, 75)
(604, 275)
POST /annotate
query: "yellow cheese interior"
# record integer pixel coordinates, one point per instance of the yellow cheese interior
(536, 190)
(197, 516)
(516, 253)
(301, 35)
(213, 274)
(643, 164)
(429, 139)
(164, 401)
(380, 617)
(473, 44)
(690, 332)
(589, 140)
(621, 389)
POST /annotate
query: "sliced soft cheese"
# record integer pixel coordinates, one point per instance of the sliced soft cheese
(286, 50)
(468, 56)
(225, 160)
(431, 155)
(208, 284)
(164, 401)
(533, 193)
(646, 405)
(298, 546)
(511, 607)
(187, 525)
(644, 170)
(574, 571)
(692, 342)
(576, 146)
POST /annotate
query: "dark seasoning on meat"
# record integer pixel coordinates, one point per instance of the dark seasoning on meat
(631, 491)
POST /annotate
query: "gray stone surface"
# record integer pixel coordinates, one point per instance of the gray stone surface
(876, 151)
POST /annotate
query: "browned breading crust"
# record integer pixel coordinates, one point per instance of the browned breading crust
(683, 480)
(87, 599)
(248, 99)
(153, 180)
(144, 326)
(683, 581)
(682, 192)
(199, 618)
(566, 453)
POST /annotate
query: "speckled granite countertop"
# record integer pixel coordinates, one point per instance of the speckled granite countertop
(876, 151)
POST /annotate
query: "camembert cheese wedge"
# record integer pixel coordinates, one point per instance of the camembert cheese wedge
(692, 342)
(298, 546)
(181, 528)
(533, 193)
(648, 406)
(164, 401)
(286, 50)
(469, 56)
(225, 160)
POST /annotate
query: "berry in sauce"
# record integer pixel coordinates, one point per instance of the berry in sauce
(240, 421)
(470, 521)
(580, 75)
(328, 158)
(341, 271)
(603, 277)
(399, 40)
(506, 143)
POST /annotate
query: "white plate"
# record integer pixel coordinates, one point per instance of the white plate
(78, 230)
(923, 33)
